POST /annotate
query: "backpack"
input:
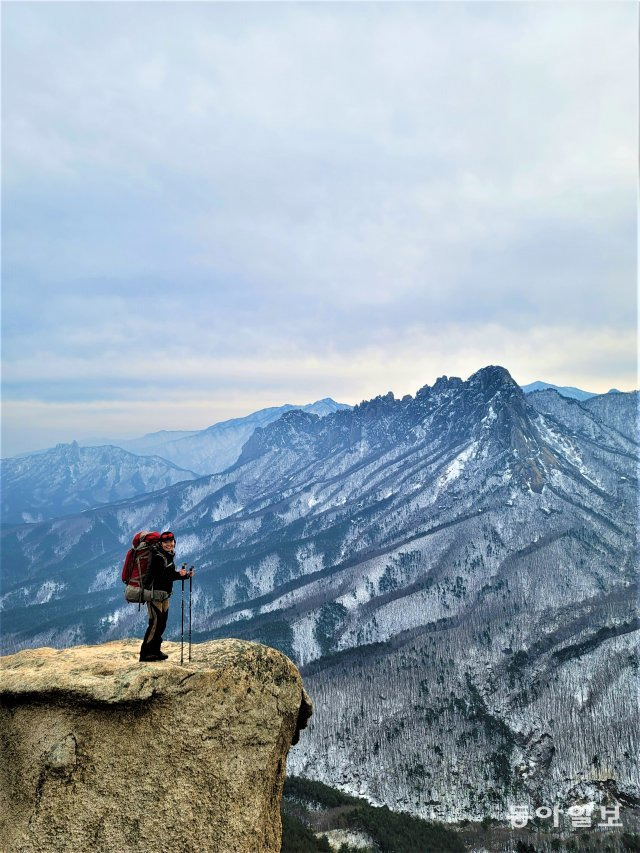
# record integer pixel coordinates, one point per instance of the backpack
(136, 566)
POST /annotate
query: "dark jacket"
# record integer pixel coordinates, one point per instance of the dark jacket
(163, 571)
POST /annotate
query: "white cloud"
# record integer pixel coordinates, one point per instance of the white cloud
(315, 196)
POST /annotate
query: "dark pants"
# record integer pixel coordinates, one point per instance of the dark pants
(158, 615)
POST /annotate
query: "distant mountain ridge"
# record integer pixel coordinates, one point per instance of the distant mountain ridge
(213, 449)
(69, 478)
(454, 571)
(564, 390)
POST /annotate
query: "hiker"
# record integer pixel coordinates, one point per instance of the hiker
(162, 575)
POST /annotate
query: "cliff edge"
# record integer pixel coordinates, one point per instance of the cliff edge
(102, 752)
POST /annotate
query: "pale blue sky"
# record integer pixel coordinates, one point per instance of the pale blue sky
(213, 207)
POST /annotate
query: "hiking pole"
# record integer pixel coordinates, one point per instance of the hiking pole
(182, 627)
(190, 579)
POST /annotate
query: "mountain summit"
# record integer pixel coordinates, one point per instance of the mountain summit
(488, 410)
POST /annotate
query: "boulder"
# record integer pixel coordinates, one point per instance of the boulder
(102, 752)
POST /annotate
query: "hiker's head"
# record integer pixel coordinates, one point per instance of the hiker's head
(168, 542)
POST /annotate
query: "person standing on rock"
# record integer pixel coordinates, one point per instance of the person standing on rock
(162, 575)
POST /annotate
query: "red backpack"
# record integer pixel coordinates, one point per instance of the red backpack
(138, 560)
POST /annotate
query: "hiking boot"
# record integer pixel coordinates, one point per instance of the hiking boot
(162, 656)
(146, 658)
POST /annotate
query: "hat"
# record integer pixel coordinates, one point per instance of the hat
(167, 536)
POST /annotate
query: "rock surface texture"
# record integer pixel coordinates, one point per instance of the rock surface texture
(102, 752)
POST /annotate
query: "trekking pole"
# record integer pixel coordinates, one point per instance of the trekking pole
(190, 579)
(182, 627)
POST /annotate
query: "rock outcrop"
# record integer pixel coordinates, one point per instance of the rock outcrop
(103, 753)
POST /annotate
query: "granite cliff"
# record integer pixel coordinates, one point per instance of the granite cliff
(102, 752)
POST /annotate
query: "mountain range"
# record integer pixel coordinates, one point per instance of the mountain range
(69, 477)
(44, 484)
(563, 390)
(454, 572)
(213, 449)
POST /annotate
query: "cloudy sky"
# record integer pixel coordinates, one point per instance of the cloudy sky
(209, 208)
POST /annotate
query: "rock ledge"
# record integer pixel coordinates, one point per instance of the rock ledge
(102, 752)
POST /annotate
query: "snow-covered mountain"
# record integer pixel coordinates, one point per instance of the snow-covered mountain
(454, 571)
(69, 478)
(563, 390)
(213, 449)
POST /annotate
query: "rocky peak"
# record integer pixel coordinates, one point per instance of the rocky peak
(491, 410)
(291, 430)
(382, 401)
(444, 383)
(297, 416)
(450, 412)
(493, 377)
(488, 381)
(66, 453)
(105, 751)
(66, 445)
